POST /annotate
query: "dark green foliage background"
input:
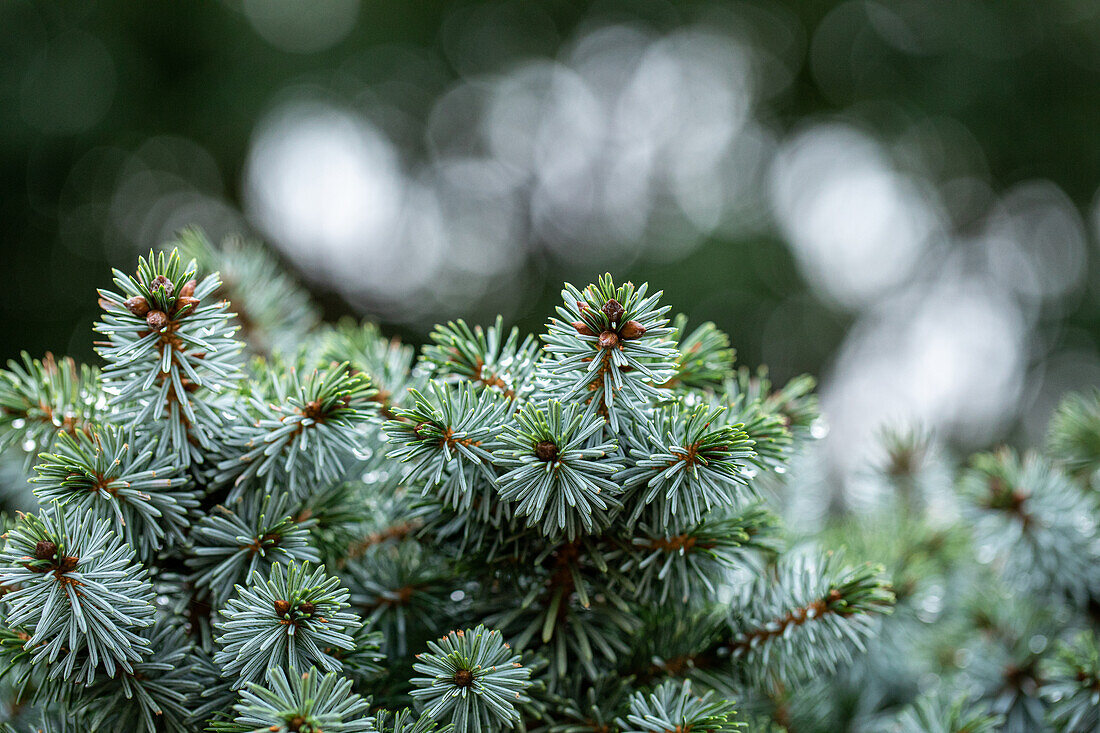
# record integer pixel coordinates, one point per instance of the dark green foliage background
(1022, 77)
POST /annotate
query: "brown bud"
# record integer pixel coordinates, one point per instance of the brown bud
(314, 409)
(583, 329)
(188, 289)
(44, 550)
(156, 320)
(631, 330)
(608, 340)
(160, 281)
(137, 305)
(546, 450)
(282, 608)
(613, 309)
(306, 608)
(464, 678)
(188, 301)
(68, 564)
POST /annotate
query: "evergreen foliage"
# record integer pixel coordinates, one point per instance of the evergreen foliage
(993, 565)
(147, 497)
(1074, 436)
(309, 703)
(672, 706)
(156, 696)
(170, 353)
(557, 478)
(812, 619)
(299, 432)
(272, 319)
(938, 715)
(230, 546)
(78, 593)
(291, 619)
(251, 521)
(471, 679)
(1072, 684)
(40, 397)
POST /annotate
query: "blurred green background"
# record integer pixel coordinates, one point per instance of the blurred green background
(898, 196)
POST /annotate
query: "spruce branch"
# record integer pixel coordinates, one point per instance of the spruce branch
(22, 682)
(471, 679)
(78, 592)
(171, 353)
(769, 432)
(664, 564)
(214, 703)
(39, 398)
(401, 588)
(592, 708)
(362, 662)
(1006, 661)
(1034, 520)
(610, 348)
(310, 702)
(556, 473)
(49, 721)
(592, 500)
(704, 360)
(274, 313)
(387, 361)
(1073, 437)
(1071, 684)
(292, 619)
(809, 618)
(672, 706)
(12, 651)
(447, 438)
(483, 357)
(948, 714)
(337, 515)
(156, 697)
(230, 545)
(905, 452)
(794, 403)
(403, 721)
(676, 642)
(573, 600)
(392, 519)
(99, 470)
(305, 432)
(911, 468)
(686, 463)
